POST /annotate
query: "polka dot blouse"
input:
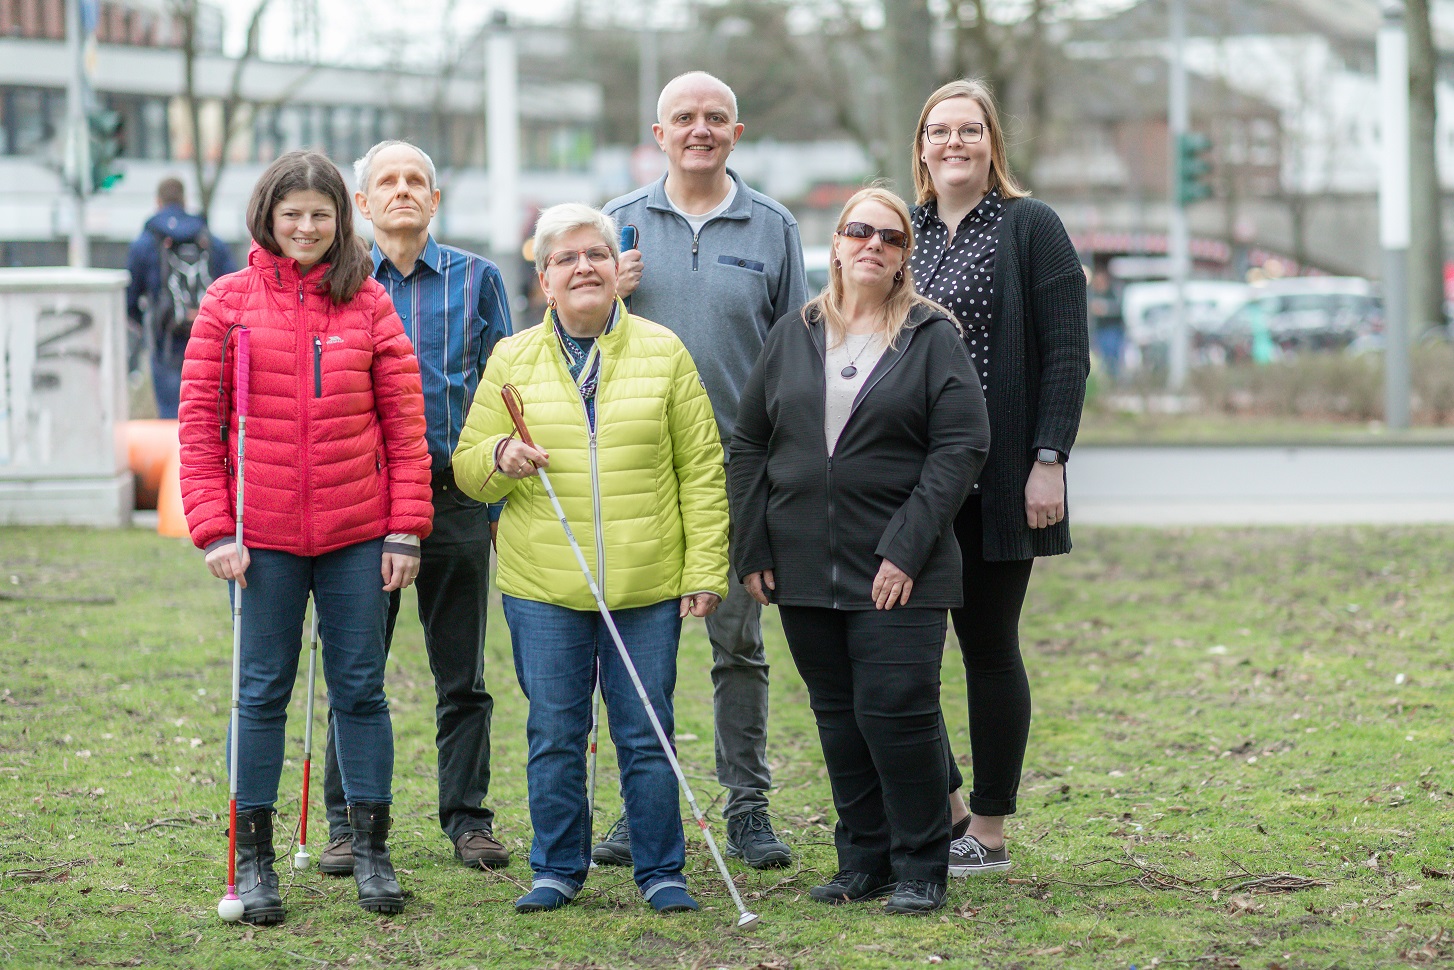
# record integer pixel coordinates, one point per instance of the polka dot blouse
(959, 275)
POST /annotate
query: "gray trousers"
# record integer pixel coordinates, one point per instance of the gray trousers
(739, 700)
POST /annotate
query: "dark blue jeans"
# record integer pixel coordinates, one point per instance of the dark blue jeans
(555, 657)
(166, 375)
(353, 604)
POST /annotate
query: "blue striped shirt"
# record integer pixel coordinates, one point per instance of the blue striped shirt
(454, 310)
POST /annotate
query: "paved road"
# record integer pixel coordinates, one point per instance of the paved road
(1262, 485)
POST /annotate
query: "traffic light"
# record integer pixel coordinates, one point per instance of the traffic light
(1193, 167)
(104, 129)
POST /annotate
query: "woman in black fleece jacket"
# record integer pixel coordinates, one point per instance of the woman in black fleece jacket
(1003, 264)
(859, 432)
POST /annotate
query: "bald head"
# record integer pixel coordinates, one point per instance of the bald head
(695, 83)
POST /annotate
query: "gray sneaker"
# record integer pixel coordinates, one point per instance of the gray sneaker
(750, 838)
(615, 848)
(969, 857)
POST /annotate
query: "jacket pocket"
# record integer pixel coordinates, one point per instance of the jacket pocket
(317, 366)
(742, 262)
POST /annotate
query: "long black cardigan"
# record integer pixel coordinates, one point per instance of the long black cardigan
(913, 444)
(1039, 355)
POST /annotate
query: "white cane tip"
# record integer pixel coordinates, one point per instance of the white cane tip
(746, 920)
(230, 909)
(302, 860)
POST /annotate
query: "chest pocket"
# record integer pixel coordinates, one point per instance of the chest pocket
(743, 262)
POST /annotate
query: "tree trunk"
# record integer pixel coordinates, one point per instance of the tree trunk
(1426, 237)
(908, 26)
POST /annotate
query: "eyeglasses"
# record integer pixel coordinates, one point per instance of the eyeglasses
(568, 258)
(969, 133)
(862, 230)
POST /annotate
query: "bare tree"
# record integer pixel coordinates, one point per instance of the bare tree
(237, 112)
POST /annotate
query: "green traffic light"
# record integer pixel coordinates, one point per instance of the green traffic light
(1193, 168)
(105, 130)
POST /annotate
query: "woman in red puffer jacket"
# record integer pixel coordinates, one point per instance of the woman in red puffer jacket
(337, 494)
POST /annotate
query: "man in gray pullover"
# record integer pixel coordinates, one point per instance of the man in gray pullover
(718, 264)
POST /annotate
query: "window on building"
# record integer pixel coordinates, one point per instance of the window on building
(33, 118)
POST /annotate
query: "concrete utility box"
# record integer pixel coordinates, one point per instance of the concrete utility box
(63, 397)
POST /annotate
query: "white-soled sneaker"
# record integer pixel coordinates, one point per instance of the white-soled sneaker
(969, 857)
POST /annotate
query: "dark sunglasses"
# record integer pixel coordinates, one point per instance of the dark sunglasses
(862, 230)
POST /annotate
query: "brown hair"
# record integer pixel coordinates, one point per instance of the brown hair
(1000, 176)
(902, 297)
(348, 261)
(171, 191)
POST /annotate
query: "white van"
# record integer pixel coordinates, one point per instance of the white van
(1148, 307)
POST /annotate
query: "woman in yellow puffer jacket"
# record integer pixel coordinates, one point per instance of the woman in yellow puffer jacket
(620, 417)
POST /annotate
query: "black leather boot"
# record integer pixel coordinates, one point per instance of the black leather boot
(257, 884)
(378, 888)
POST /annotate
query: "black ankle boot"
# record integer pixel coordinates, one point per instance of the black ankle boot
(378, 888)
(257, 884)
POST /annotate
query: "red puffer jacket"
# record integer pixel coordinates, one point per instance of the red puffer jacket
(335, 429)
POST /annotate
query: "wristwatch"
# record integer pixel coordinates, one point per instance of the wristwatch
(1048, 456)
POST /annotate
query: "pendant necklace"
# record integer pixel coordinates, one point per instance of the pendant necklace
(850, 371)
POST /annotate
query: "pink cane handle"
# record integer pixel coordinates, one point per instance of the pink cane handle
(244, 355)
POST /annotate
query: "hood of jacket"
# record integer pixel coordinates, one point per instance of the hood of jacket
(176, 224)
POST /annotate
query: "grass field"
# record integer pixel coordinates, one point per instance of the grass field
(1241, 757)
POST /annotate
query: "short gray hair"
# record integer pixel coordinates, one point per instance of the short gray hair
(363, 168)
(567, 217)
(695, 75)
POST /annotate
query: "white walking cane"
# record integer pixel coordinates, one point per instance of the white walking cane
(513, 405)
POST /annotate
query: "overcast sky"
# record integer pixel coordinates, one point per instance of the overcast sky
(363, 29)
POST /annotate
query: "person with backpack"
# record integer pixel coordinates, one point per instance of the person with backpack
(171, 263)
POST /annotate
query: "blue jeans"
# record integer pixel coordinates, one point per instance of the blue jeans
(555, 656)
(352, 607)
(166, 375)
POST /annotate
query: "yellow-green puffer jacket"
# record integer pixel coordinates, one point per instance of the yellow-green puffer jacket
(657, 517)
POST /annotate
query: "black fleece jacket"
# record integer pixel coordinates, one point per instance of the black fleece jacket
(914, 443)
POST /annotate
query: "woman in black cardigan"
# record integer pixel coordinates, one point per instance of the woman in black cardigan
(1003, 264)
(858, 435)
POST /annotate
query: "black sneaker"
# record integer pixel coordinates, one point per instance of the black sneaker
(750, 838)
(916, 896)
(852, 887)
(615, 848)
(969, 857)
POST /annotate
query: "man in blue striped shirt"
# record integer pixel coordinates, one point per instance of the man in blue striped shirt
(454, 310)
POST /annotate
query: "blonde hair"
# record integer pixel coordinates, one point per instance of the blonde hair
(902, 297)
(1000, 176)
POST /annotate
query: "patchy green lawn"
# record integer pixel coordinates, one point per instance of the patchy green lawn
(1240, 758)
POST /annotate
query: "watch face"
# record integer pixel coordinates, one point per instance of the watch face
(1048, 455)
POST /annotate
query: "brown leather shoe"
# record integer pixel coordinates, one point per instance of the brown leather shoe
(480, 849)
(336, 859)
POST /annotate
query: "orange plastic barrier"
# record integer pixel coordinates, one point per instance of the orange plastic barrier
(170, 519)
(149, 443)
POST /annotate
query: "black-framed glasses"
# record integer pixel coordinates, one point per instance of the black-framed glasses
(595, 255)
(862, 230)
(969, 133)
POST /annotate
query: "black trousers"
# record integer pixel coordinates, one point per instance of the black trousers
(873, 682)
(988, 628)
(453, 590)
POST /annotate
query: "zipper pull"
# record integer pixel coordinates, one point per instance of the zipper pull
(317, 366)
(300, 294)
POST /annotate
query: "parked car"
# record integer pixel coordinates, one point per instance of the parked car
(815, 266)
(1148, 309)
(1302, 314)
